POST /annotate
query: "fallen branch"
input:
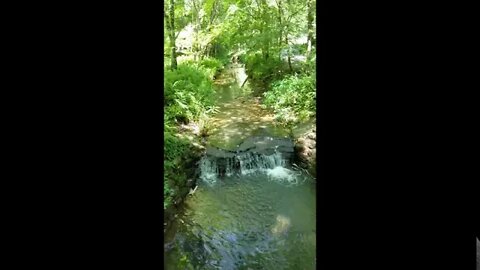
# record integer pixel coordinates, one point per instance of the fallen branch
(192, 191)
(244, 82)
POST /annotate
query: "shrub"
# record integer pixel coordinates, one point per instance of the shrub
(187, 93)
(293, 98)
(212, 63)
(188, 96)
(174, 149)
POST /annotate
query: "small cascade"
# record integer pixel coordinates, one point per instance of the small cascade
(258, 154)
(209, 170)
(273, 165)
(252, 162)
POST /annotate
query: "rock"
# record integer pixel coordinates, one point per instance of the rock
(267, 152)
(312, 136)
(281, 226)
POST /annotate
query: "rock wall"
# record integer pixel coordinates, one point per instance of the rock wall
(253, 151)
(306, 150)
(185, 181)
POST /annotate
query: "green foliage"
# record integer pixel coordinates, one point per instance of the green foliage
(188, 96)
(188, 92)
(167, 192)
(174, 149)
(300, 48)
(211, 63)
(260, 68)
(308, 67)
(293, 98)
(210, 67)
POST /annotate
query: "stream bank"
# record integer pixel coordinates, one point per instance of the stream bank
(305, 138)
(186, 174)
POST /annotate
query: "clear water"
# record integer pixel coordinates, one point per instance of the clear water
(253, 221)
(240, 114)
(260, 216)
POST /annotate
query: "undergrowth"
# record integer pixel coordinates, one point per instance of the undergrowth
(259, 68)
(292, 98)
(188, 97)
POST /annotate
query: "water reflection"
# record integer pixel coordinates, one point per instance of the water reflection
(247, 222)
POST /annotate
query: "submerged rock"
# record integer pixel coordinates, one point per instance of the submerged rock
(281, 226)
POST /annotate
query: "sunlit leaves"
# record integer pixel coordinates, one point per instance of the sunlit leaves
(293, 98)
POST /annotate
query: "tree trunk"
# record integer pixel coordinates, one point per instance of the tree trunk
(280, 15)
(196, 27)
(288, 54)
(244, 82)
(172, 34)
(310, 5)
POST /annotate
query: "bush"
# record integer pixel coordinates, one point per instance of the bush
(174, 149)
(187, 93)
(211, 67)
(212, 63)
(260, 68)
(293, 98)
(188, 96)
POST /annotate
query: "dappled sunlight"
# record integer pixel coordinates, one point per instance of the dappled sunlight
(237, 120)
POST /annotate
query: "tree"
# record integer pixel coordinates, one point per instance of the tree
(310, 13)
(170, 25)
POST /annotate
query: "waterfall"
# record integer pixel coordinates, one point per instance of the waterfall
(274, 166)
(252, 162)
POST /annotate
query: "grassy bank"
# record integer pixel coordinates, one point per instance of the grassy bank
(188, 101)
(290, 93)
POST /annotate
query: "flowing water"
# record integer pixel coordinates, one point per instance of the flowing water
(251, 210)
(240, 115)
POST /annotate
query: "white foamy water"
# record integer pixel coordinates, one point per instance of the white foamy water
(209, 171)
(245, 164)
(282, 174)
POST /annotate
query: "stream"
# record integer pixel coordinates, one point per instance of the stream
(252, 209)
